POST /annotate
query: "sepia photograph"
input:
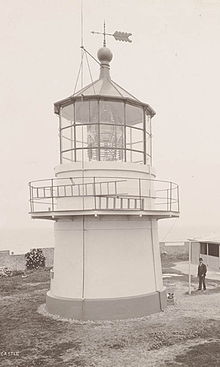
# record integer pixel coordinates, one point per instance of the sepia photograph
(109, 189)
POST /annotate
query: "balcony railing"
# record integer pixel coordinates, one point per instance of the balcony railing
(103, 194)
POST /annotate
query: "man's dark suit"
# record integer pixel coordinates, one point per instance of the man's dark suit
(202, 269)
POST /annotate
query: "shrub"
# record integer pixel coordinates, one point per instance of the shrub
(17, 272)
(35, 259)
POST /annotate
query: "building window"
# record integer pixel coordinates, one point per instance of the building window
(213, 249)
(203, 248)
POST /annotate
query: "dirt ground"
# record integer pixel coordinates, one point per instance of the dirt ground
(186, 334)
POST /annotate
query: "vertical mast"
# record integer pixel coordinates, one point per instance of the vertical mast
(82, 43)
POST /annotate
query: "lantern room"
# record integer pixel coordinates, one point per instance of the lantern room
(103, 122)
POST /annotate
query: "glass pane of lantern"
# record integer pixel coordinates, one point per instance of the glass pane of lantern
(67, 138)
(91, 155)
(67, 157)
(81, 136)
(81, 112)
(67, 114)
(148, 161)
(79, 155)
(129, 131)
(111, 142)
(134, 115)
(91, 138)
(112, 112)
(148, 124)
(137, 139)
(137, 157)
(93, 111)
(111, 130)
(92, 135)
(148, 145)
(86, 111)
(134, 139)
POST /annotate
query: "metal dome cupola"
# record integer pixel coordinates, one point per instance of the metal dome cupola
(105, 56)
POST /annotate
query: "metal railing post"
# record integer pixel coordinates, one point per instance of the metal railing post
(52, 198)
(190, 253)
(139, 184)
(60, 134)
(170, 196)
(178, 199)
(31, 197)
(94, 191)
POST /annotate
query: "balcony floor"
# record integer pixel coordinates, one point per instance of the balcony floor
(53, 215)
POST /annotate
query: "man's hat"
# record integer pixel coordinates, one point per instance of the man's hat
(200, 259)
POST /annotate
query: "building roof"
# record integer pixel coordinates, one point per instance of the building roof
(104, 87)
(215, 239)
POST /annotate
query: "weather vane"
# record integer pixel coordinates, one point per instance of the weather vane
(118, 36)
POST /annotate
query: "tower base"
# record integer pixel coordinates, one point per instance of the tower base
(107, 308)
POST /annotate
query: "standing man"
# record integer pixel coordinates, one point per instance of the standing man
(202, 269)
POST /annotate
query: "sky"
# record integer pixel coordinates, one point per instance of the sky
(171, 64)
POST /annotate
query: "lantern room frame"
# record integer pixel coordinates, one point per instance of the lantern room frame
(79, 114)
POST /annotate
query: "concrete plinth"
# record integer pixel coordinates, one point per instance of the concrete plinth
(107, 309)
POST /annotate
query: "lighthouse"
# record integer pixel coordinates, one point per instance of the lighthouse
(105, 201)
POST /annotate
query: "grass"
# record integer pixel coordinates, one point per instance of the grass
(200, 355)
(186, 334)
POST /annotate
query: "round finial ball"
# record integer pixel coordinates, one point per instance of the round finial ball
(104, 54)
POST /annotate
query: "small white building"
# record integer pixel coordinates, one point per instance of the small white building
(105, 203)
(209, 250)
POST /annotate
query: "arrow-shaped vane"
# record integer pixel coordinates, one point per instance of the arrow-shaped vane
(122, 36)
(118, 36)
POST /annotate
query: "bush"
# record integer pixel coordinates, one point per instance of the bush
(5, 272)
(35, 259)
(17, 272)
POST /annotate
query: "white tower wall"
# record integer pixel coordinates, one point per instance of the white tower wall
(113, 257)
(104, 259)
